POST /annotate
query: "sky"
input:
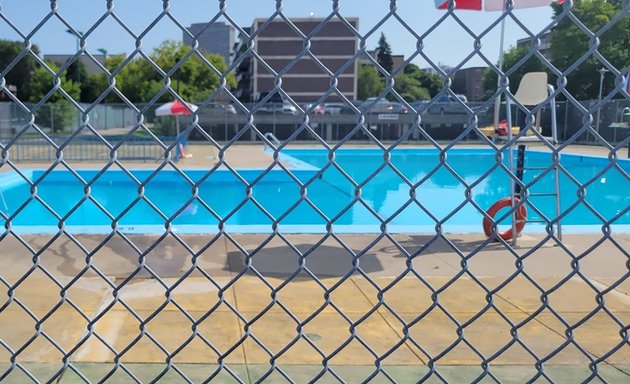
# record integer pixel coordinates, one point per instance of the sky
(448, 44)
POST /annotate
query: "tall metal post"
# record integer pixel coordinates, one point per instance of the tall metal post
(177, 59)
(601, 71)
(78, 38)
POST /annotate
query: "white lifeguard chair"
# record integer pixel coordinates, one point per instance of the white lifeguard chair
(533, 91)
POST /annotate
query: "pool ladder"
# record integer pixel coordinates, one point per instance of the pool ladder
(520, 170)
(520, 167)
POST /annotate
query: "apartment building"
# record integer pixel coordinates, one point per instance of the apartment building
(217, 37)
(277, 44)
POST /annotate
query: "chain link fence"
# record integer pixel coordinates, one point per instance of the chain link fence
(276, 264)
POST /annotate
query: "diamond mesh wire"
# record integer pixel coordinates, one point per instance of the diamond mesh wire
(93, 326)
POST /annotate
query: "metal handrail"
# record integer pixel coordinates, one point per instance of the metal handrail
(271, 137)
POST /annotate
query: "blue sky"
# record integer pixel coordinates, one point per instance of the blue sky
(448, 44)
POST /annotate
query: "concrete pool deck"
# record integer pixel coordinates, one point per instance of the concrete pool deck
(227, 305)
(249, 155)
(220, 303)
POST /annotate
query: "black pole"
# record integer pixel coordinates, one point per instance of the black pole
(178, 74)
(520, 167)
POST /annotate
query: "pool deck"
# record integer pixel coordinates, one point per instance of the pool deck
(221, 295)
(238, 155)
(430, 288)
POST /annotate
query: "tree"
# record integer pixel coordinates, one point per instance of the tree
(93, 86)
(77, 73)
(139, 81)
(384, 54)
(569, 43)
(412, 83)
(57, 113)
(408, 87)
(20, 75)
(431, 82)
(511, 57)
(369, 83)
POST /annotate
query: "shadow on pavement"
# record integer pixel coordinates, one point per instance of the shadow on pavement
(282, 261)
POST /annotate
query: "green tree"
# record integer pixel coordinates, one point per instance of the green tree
(431, 82)
(384, 54)
(369, 83)
(93, 86)
(97, 83)
(409, 88)
(511, 57)
(568, 44)
(21, 74)
(79, 74)
(140, 82)
(57, 113)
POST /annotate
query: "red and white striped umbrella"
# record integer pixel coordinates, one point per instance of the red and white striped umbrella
(493, 5)
(175, 108)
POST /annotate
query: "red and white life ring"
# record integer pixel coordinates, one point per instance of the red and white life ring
(521, 217)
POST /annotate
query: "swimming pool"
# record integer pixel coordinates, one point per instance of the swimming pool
(411, 193)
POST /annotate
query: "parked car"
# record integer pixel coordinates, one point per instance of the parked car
(397, 108)
(229, 108)
(285, 108)
(337, 108)
(448, 104)
(288, 108)
(275, 105)
(382, 106)
(316, 109)
(419, 105)
(218, 109)
(371, 105)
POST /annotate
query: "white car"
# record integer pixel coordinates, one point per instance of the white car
(289, 108)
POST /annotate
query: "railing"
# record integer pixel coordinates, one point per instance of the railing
(31, 148)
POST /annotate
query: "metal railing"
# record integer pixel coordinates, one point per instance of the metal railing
(39, 149)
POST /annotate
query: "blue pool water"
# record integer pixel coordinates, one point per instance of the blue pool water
(222, 197)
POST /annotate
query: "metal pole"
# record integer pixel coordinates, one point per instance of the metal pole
(497, 101)
(79, 67)
(78, 39)
(178, 74)
(178, 153)
(510, 150)
(602, 71)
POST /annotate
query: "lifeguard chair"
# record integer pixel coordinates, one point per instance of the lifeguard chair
(533, 91)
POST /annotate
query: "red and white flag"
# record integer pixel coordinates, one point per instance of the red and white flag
(494, 5)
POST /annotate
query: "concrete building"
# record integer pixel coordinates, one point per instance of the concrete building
(469, 82)
(218, 38)
(90, 65)
(545, 44)
(243, 90)
(277, 44)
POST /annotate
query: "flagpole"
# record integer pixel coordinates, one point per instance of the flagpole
(497, 101)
